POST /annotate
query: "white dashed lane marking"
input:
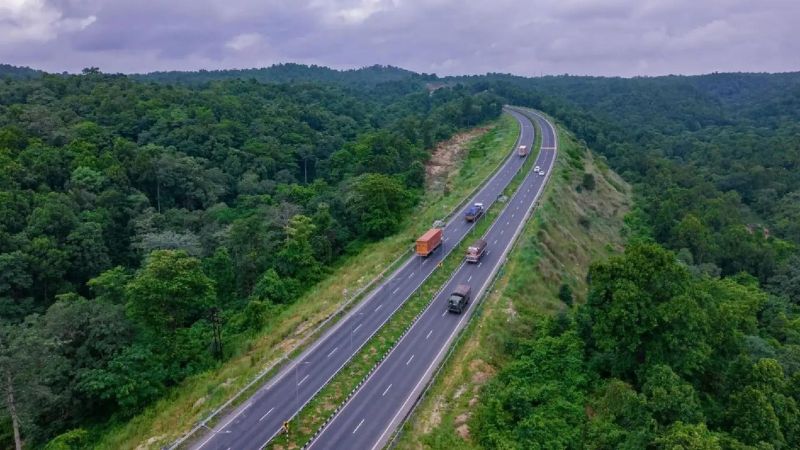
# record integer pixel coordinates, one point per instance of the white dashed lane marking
(265, 415)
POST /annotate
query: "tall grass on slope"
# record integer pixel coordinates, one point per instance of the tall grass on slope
(572, 226)
(197, 396)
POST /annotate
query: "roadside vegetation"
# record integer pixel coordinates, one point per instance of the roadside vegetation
(165, 237)
(198, 396)
(543, 277)
(150, 233)
(688, 339)
(332, 395)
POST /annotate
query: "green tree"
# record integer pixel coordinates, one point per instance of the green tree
(27, 363)
(49, 263)
(219, 267)
(132, 379)
(681, 436)
(251, 245)
(169, 292)
(89, 334)
(87, 251)
(296, 258)
(110, 285)
(71, 440)
(669, 398)
(753, 418)
(693, 234)
(376, 204)
(271, 288)
(628, 298)
(537, 400)
(621, 418)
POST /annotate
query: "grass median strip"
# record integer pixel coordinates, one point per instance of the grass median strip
(163, 422)
(318, 410)
(554, 248)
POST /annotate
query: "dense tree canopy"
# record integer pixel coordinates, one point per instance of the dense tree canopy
(691, 348)
(135, 217)
(656, 358)
(139, 214)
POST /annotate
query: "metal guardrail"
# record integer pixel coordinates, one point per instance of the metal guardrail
(494, 277)
(303, 341)
(286, 356)
(459, 329)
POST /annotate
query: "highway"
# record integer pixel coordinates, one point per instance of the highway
(259, 419)
(368, 419)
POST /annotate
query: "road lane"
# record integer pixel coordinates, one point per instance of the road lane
(252, 427)
(377, 419)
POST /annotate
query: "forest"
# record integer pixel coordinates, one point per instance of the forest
(691, 338)
(150, 223)
(147, 228)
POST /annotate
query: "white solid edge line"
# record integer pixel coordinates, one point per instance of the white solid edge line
(456, 329)
(337, 325)
(446, 346)
(233, 418)
(508, 160)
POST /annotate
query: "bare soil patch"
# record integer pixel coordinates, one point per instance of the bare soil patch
(446, 155)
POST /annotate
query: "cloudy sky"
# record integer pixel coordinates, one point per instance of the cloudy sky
(525, 37)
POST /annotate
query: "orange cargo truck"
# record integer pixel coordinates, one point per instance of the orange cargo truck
(429, 241)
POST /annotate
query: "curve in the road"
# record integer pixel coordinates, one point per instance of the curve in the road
(260, 418)
(367, 420)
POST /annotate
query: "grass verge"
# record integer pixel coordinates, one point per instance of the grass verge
(572, 227)
(196, 397)
(337, 390)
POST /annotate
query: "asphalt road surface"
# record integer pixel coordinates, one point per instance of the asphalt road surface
(258, 420)
(371, 415)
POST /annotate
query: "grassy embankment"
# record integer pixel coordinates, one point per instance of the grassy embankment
(324, 404)
(168, 418)
(572, 227)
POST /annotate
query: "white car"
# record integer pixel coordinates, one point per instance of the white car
(541, 172)
(536, 169)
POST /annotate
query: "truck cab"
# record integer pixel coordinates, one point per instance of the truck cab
(458, 300)
(474, 212)
(475, 251)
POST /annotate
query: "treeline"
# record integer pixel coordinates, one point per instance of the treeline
(368, 77)
(696, 345)
(146, 228)
(714, 158)
(15, 72)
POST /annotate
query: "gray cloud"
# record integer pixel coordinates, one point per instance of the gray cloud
(527, 37)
